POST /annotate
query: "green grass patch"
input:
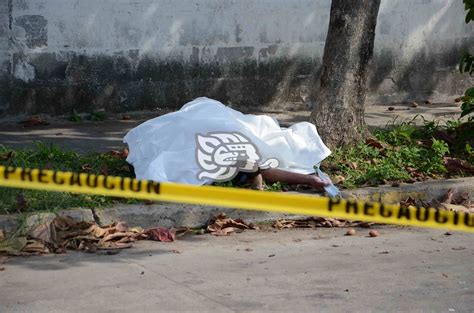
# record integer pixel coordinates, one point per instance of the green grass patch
(52, 157)
(402, 153)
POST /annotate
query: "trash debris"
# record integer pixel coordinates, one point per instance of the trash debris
(314, 222)
(64, 233)
(221, 225)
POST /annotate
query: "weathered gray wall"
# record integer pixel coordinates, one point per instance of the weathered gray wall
(57, 55)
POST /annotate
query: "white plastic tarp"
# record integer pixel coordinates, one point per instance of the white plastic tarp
(163, 149)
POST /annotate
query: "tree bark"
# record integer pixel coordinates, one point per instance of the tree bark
(339, 105)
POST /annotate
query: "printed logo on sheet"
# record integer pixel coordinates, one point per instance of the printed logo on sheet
(222, 155)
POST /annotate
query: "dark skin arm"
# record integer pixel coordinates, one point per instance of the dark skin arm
(274, 175)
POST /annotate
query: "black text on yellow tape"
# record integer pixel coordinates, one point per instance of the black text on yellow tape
(234, 198)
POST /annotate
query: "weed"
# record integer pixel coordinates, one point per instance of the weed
(408, 152)
(98, 116)
(74, 117)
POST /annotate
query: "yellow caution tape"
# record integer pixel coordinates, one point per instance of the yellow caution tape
(126, 187)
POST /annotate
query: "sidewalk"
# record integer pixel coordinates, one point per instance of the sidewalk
(106, 135)
(320, 270)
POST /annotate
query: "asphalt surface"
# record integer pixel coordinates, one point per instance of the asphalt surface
(402, 270)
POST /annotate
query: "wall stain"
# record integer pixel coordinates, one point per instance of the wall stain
(35, 27)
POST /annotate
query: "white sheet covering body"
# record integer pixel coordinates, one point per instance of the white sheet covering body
(164, 148)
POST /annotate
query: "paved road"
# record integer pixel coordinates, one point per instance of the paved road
(402, 270)
(107, 135)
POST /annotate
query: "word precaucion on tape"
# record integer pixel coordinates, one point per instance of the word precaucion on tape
(127, 187)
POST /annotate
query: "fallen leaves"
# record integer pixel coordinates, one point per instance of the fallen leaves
(64, 233)
(221, 225)
(34, 120)
(86, 168)
(374, 143)
(161, 234)
(313, 222)
(121, 154)
(450, 201)
(13, 245)
(454, 165)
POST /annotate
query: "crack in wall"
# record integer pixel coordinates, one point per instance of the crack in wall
(95, 217)
(10, 14)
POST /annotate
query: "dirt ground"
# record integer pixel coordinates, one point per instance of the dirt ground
(106, 135)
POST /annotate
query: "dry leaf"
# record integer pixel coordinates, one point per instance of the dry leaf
(97, 231)
(104, 170)
(221, 225)
(7, 156)
(34, 121)
(121, 227)
(313, 222)
(161, 234)
(21, 203)
(456, 165)
(124, 154)
(44, 232)
(86, 167)
(353, 165)
(35, 246)
(374, 143)
(13, 245)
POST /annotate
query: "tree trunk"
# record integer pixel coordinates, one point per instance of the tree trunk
(339, 105)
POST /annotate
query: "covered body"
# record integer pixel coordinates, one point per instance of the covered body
(166, 148)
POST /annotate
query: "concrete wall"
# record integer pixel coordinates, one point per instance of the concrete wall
(59, 55)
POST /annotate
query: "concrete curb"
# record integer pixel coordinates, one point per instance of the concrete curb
(178, 215)
(426, 190)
